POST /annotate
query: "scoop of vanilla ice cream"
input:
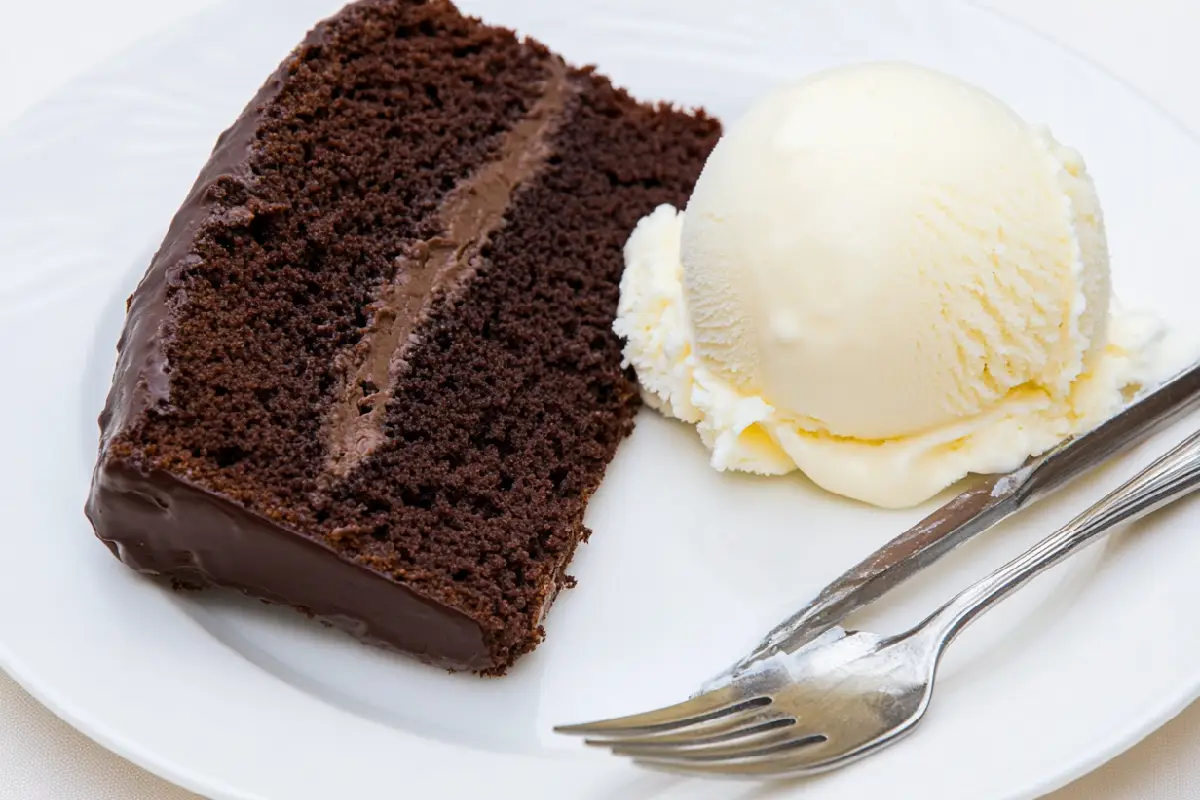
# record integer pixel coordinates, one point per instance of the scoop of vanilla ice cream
(884, 249)
(886, 279)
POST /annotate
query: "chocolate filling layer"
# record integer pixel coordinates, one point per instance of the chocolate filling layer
(472, 212)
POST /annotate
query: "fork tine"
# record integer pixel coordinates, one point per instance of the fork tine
(749, 741)
(713, 705)
(795, 757)
(713, 732)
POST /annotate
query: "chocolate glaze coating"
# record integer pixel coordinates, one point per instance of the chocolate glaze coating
(160, 524)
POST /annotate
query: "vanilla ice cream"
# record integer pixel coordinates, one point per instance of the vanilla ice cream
(886, 279)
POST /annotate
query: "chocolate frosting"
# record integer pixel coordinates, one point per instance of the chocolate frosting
(160, 523)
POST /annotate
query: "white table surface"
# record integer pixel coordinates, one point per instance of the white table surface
(1152, 44)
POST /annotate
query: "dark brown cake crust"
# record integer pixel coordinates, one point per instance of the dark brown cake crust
(370, 372)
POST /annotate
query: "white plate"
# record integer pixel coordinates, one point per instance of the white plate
(237, 700)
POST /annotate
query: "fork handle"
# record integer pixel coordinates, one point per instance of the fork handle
(1170, 477)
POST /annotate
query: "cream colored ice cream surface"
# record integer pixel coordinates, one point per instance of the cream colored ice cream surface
(886, 279)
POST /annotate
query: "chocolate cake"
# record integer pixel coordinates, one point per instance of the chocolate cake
(370, 372)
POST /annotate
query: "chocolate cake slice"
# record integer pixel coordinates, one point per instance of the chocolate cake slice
(370, 373)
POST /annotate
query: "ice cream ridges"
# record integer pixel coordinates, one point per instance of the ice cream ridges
(887, 279)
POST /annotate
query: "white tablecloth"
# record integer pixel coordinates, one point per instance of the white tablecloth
(1152, 44)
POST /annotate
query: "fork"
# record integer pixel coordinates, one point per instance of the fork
(847, 695)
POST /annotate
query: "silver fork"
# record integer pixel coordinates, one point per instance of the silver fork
(847, 695)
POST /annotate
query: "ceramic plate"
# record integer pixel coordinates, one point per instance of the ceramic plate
(237, 700)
